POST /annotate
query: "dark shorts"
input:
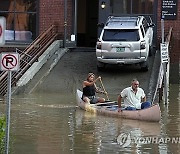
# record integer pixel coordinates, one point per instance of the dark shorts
(93, 99)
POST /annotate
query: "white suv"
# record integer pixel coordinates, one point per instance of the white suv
(125, 40)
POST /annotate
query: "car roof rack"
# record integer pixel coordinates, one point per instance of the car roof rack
(135, 19)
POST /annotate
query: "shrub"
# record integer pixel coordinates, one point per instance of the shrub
(2, 133)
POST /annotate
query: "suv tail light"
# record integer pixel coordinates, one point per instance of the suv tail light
(98, 45)
(143, 45)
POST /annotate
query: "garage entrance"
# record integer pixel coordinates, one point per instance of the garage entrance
(87, 19)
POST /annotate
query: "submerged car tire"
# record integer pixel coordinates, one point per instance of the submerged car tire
(100, 66)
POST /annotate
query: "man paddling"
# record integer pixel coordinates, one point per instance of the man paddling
(134, 97)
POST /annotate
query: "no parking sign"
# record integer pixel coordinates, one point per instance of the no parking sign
(9, 61)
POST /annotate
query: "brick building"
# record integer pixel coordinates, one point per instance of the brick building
(26, 19)
(175, 44)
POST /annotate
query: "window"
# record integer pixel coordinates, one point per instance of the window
(142, 31)
(20, 19)
(121, 35)
(120, 7)
(145, 25)
(142, 6)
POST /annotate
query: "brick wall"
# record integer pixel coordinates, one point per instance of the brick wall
(175, 39)
(52, 11)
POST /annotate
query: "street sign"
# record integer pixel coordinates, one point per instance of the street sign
(2, 30)
(164, 53)
(169, 9)
(9, 61)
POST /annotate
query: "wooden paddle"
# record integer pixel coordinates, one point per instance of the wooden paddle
(104, 89)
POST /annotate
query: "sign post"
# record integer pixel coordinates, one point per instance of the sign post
(8, 112)
(9, 62)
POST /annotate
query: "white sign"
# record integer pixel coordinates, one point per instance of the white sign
(164, 53)
(73, 38)
(2, 30)
(9, 61)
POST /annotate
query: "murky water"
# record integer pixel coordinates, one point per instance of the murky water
(46, 119)
(53, 124)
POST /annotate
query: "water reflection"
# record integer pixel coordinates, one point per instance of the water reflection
(170, 120)
(40, 124)
(100, 132)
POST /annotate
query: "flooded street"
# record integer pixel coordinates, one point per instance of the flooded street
(45, 118)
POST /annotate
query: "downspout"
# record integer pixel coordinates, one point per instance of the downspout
(65, 23)
(75, 21)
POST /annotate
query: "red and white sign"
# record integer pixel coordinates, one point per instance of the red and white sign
(9, 61)
(2, 30)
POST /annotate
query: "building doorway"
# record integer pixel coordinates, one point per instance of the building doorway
(87, 19)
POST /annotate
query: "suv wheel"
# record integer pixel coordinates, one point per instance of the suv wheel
(144, 66)
(100, 66)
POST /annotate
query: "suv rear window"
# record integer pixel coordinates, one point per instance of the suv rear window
(120, 35)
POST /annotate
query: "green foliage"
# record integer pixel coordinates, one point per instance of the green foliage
(2, 133)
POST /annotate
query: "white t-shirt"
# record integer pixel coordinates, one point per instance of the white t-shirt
(131, 99)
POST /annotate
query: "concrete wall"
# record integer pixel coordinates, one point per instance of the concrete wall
(53, 49)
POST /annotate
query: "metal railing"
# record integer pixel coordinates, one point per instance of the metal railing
(29, 56)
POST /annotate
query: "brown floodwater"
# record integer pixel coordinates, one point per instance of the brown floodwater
(45, 118)
(46, 123)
